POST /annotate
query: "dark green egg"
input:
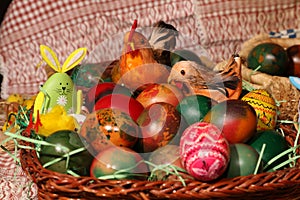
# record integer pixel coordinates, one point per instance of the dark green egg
(272, 59)
(243, 161)
(90, 74)
(193, 108)
(275, 144)
(66, 141)
(183, 54)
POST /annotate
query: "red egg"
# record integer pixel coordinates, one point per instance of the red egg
(161, 124)
(102, 89)
(113, 159)
(236, 118)
(294, 56)
(160, 93)
(204, 151)
(125, 103)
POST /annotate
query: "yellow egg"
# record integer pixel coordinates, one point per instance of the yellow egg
(265, 106)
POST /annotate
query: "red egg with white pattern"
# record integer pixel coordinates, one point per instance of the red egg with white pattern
(204, 151)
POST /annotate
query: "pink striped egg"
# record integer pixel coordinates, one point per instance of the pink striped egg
(204, 151)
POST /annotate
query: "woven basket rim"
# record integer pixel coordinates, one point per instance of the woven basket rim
(282, 184)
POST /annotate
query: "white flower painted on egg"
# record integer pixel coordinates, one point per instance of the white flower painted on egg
(62, 100)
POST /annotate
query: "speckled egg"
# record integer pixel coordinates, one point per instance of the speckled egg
(109, 127)
(270, 57)
(204, 151)
(265, 107)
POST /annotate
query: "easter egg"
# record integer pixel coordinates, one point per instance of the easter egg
(236, 118)
(270, 57)
(194, 107)
(114, 159)
(109, 127)
(160, 93)
(243, 160)
(66, 141)
(184, 54)
(102, 89)
(165, 157)
(204, 151)
(294, 56)
(275, 144)
(265, 107)
(127, 104)
(87, 75)
(161, 124)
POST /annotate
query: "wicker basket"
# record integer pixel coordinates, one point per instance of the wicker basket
(5, 109)
(281, 184)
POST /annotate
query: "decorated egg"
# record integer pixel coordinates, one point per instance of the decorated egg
(164, 157)
(109, 127)
(235, 118)
(275, 144)
(194, 107)
(160, 93)
(243, 161)
(161, 124)
(270, 57)
(265, 107)
(204, 151)
(113, 159)
(66, 141)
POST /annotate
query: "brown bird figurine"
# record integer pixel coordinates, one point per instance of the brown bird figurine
(194, 79)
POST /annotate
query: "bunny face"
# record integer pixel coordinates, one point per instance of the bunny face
(59, 87)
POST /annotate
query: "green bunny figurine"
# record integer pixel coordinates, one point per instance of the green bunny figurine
(59, 88)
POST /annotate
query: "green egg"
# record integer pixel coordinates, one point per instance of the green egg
(272, 59)
(193, 108)
(66, 141)
(275, 144)
(243, 160)
(183, 54)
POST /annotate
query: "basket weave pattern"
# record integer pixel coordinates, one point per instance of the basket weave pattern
(281, 184)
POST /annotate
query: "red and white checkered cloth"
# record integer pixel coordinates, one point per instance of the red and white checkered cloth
(14, 183)
(218, 26)
(67, 25)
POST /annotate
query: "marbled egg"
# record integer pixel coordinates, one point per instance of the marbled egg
(204, 151)
(265, 107)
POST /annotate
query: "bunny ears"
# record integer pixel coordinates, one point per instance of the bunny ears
(51, 59)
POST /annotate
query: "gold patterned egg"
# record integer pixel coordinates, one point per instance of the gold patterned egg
(265, 107)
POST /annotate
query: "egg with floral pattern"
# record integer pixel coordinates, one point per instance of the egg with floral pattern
(204, 151)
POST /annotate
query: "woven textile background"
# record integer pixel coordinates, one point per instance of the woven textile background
(218, 26)
(224, 25)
